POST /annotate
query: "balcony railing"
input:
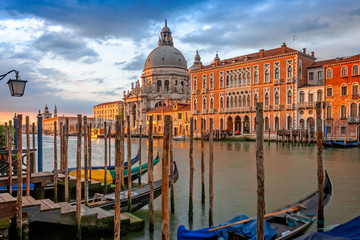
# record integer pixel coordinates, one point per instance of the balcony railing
(301, 105)
(204, 111)
(276, 81)
(266, 108)
(354, 96)
(196, 91)
(204, 90)
(221, 110)
(194, 112)
(277, 107)
(353, 120)
(291, 80)
(310, 104)
(289, 106)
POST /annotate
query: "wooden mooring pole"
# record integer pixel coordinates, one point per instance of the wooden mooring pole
(19, 179)
(129, 162)
(140, 137)
(28, 165)
(86, 176)
(172, 193)
(6, 135)
(62, 152)
(165, 225)
(191, 182)
(109, 136)
(10, 157)
(33, 142)
(117, 221)
(122, 152)
(105, 158)
(202, 164)
(89, 151)
(78, 178)
(320, 171)
(260, 171)
(211, 174)
(150, 174)
(66, 141)
(55, 163)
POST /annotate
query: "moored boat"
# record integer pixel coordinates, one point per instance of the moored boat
(285, 223)
(333, 144)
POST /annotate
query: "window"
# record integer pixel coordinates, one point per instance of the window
(211, 103)
(167, 85)
(302, 97)
(310, 97)
(277, 70)
(221, 79)
(248, 100)
(311, 76)
(195, 104)
(158, 86)
(267, 73)
(267, 124)
(204, 81)
(211, 81)
(289, 68)
(231, 102)
(255, 98)
(289, 97)
(329, 73)
(267, 102)
(344, 72)
(353, 110)
(328, 112)
(343, 112)
(289, 123)
(227, 102)
(222, 102)
(343, 90)
(277, 98)
(329, 130)
(195, 83)
(355, 89)
(343, 130)
(329, 91)
(319, 95)
(179, 115)
(277, 123)
(256, 75)
(355, 70)
(204, 103)
(320, 75)
(158, 117)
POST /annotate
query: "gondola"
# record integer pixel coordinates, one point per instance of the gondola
(333, 144)
(139, 196)
(290, 221)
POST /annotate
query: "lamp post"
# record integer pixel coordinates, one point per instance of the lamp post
(16, 86)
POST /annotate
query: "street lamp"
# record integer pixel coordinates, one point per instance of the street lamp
(16, 86)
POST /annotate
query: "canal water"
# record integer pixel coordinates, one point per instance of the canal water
(290, 174)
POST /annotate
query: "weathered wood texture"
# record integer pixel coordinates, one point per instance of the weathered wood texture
(165, 224)
(55, 163)
(89, 150)
(10, 158)
(66, 180)
(129, 161)
(117, 221)
(105, 158)
(320, 170)
(150, 174)
(78, 178)
(62, 148)
(260, 170)
(19, 178)
(211, 174)
(140, 137)
(202, 164)
(86, 176)
(172, 189)
(191, 167)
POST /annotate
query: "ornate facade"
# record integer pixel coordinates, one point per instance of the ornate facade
(165, 76)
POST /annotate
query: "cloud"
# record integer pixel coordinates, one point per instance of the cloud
(308, 25)
(137, 63)
(65, 45)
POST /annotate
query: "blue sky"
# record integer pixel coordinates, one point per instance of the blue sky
(76, 54)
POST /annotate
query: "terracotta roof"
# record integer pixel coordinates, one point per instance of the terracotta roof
(322, 63)
(121, 102)
(252, 56)
(181, 107)
(344, 60)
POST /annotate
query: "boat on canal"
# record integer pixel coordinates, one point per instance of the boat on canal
(285, 223)
(342, 144)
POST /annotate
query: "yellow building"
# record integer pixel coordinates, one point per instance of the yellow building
(180, 113)
(48, 124)
(107, 111)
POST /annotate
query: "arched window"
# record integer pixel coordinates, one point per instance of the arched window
(343, 112)
(256, 77)
(310, 97)
(329, 73)
(328, 112)
(231, 101)
(277, 123)
(211, 103)
(195, 84)
(319, 95)
(277, 73)
(290, 71)
(344, 72)
(344, 90)
(277, 98)
(158, 86)
(204, 103)
(195, 104)
(355, 89)
(302, 97)
(227, 80)
(353, 110)
(248, 100)
(167, 85)
(289, 123)
(267, 75)
(355, 70)
(267, 102)
(289, 97)
(244, 101)
(255, 98)
(221, 102)
(235, 101)
(329, 91)
(239, 100)
(267, 124)
(248, 77)
(227, 102)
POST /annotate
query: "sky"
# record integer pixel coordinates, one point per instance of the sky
(79, 53)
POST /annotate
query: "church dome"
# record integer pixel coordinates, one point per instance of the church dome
(165, 55)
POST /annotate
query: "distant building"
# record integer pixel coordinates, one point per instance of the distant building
(180, 113)
(46, 114)
(106, 112)
(48, 124)
(342, 116)
(165, 76)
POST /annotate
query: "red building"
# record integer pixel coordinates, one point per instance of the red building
(228, 89)
(342, 96)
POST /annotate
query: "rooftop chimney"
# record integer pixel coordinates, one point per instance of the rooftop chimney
(261, 53)
(304, 50)
(312, 54)
(283, 48)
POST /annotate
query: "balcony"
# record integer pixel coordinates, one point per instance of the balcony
(196, 91)
(289, 106)
(291, 80)
(276, 81)
(194, 112)
(204, 111)
(310, 105)
(266, 108)
(277, 107)
(301, 105)
(355, 96)
(352, 120)
(212, 111)
(221, 110)
(204, 90)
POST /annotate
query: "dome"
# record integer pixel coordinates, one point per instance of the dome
(165, 56)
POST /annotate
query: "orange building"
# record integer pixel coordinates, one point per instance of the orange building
(48, 124)
(227, 90)
(342, 96)
(107, 111)
(180, 113)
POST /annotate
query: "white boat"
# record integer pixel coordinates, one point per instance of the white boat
(181, 138)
